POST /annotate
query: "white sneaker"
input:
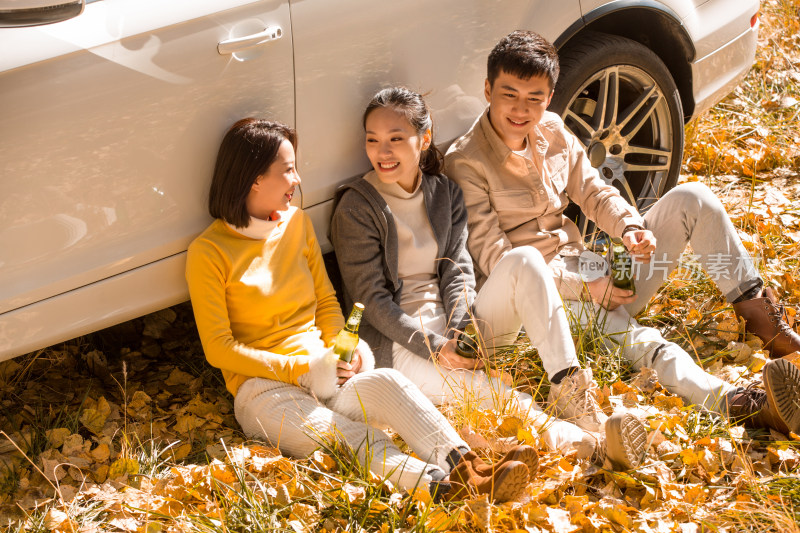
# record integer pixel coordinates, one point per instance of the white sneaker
(575, 400)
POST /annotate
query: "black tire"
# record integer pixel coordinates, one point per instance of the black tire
(638, 146)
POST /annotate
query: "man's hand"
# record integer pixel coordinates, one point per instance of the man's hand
(603, 292)
(641, 243)
(345, 371)
(450, 360)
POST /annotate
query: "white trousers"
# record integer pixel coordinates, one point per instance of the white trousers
(688, 214)
(519, 292)
(291, 419)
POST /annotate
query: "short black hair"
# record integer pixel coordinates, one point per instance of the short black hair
(246, 152)
(523, 54)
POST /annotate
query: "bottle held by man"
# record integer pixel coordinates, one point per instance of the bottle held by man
(347, 338)
(620, 261)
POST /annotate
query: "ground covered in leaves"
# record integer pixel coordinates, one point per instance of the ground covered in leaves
(130, 430)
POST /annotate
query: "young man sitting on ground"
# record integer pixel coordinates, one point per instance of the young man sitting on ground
(519, 167)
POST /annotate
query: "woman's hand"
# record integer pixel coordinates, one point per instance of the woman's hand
(603, 292)
(450, 360)
(641, 243)
(345, 371)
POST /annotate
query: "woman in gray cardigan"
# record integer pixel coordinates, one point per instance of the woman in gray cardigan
(400, 233)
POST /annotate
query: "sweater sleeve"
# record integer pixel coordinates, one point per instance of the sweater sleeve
(328, 317)
(360, 254)
(206, 274)
(457, 279)
(487, 243)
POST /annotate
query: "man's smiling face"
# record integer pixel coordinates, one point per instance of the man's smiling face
(516, 106)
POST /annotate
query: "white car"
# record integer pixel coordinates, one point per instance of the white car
(112, 112)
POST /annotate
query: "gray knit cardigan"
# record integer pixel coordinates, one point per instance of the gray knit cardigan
(364, 236)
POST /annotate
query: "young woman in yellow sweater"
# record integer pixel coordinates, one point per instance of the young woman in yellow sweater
(267, 317)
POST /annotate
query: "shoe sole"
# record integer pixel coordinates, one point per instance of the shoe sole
(524, 454)
(511, 483)
(626, 440)
(782, 382)
(529, 457)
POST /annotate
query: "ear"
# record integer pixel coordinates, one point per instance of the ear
(426, 139)
(487, 91)
(549, 98)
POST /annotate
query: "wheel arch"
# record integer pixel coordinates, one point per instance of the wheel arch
(651, 24)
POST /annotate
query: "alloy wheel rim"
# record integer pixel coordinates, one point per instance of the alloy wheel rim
(623, 120)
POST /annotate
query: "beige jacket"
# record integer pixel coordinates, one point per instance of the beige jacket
(510, 203)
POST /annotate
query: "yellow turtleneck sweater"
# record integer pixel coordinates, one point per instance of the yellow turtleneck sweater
(261, 297)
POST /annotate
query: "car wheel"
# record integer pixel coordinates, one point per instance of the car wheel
(620, 101)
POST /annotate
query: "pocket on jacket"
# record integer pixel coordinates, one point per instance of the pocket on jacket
(512, 200)
(514, 207)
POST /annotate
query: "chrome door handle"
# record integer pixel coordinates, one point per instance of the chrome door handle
(230, 46)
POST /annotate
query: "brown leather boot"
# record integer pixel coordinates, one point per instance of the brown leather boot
(506, 483)
(765, 318)
(522, 453)
(777, 406)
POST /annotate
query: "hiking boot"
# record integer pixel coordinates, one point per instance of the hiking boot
(505, 483)
(765, 318)
(625, 442)
(777, 406)
(575, 400)
(522, 453)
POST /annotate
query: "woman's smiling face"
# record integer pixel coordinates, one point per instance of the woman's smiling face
(273, 190)
(394, 147)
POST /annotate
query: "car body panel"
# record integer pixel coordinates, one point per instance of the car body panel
(377, 44)
(718, 73)
(107, 151)
(94, 306)
(680, 7)
(716, 23)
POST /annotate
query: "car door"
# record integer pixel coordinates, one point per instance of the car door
(109, 127)
(347, 50)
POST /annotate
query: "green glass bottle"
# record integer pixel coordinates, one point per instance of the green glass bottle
(621, 263)
(347, 338)
(467, 343)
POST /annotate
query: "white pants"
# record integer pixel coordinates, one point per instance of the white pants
(646, 347)
(290, 418)
(688, 214)
(519, 292)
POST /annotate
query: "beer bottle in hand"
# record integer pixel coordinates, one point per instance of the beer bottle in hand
(621, 265)
(347, 338)
(467, 343)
